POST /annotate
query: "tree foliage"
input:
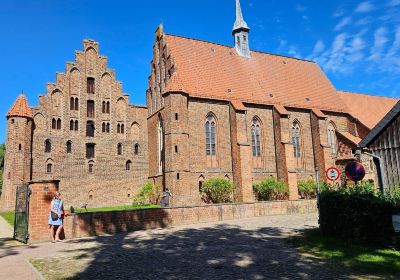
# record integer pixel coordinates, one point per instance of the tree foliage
(307, 189)
(148, 194)
(217, 191)
(271, 189)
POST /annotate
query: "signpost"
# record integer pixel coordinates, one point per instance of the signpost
(332, 174)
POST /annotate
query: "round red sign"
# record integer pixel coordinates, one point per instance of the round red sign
(332, 174)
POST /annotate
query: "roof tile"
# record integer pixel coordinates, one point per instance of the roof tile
(20, 108)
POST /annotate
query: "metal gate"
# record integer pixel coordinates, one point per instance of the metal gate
(22, 213)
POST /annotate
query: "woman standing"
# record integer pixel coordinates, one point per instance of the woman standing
(56, 217)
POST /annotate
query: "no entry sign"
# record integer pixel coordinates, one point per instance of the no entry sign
(332, 174)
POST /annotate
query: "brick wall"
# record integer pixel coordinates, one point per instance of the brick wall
(92, 224)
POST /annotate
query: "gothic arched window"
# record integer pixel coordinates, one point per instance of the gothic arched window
(71, 125)
(160, 139)
(76, 126)
(108, 107)
(49, 168)
(296, 139)
(332, 137)
(256, 137)
(119, 149)
(72, 104)
(53, 124)
(136, 149)
(211, 141)
(58, 124)
(76, 104)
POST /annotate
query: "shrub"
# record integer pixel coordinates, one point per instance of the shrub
(307, 189)
(357, 215)
(271, 189)
(217, 191)
(148, 194)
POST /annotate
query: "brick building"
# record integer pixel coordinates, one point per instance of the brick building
(212, 111)
(84, 133)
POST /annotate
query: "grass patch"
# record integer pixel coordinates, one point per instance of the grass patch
(9, 217)
(116, 208)
(366, 259)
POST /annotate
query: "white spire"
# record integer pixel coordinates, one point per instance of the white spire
(239, 23)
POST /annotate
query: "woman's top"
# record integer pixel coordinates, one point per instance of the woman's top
(57, 207)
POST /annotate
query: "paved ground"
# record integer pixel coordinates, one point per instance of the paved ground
(6, 231)
(241, 249)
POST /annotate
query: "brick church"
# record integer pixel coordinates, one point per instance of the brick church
(213, 111)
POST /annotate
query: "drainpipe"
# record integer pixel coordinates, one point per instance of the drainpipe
(381, 168)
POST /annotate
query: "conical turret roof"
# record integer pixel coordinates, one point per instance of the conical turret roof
(20, 108)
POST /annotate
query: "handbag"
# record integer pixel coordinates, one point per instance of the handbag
(54, 216)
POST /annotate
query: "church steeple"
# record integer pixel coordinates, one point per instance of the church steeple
(240, 33)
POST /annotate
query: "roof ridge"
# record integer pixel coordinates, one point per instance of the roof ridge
(368, 94)
(222, 45)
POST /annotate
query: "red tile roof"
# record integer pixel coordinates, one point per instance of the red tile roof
(354, 139)
(368, 109)
(20, 108)
(209, 70)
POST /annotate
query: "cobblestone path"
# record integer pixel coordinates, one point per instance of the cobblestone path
(241, 249)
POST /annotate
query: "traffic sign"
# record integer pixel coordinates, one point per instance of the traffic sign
(355, 171)
(332, 174)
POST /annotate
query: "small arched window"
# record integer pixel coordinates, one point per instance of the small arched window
(76, 126)
(136, 149)
(103, 127)
(58, 124)
(53, 124)
(103, 108)
(296, 141)
(47, 146)
(108, 128)
(69, 147)
(71, 125)
(122, 128)
(332, 138)
(119, 149)
(108, 107)
(128, 165)
(90, 129)
(118, 128)
(49, 168)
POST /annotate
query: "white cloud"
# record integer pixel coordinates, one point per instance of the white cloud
(344, 22)
(396, 44)
(301, 8)
(380, 40)
(319, 47)
(363, 21)
(364, 7)
(393, 3)
(338, 13)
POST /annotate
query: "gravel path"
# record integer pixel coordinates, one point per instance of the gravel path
(241, 249)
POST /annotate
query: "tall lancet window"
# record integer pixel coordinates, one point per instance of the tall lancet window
(160, 145)
(332, 138)
(256, 142)
(211, 140)
(296, 141)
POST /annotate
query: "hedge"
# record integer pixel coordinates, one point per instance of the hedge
(271, 189)
(357, 215)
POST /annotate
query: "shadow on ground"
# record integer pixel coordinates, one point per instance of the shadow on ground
(220, 252)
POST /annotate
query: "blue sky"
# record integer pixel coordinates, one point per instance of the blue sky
(357, 43)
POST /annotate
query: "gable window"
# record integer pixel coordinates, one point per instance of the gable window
(91, 166)
(119, 149)
(128, 165)
(90, 129)
(49, 168)
(72, 104)
(90, 150)
(69, 147)
(90, 109)
(47, 146)
(210, 131)
(90, 85)
(332, 138)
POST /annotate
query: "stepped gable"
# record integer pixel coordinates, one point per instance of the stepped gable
(213, 71)
(368, 109)
(20, 108)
